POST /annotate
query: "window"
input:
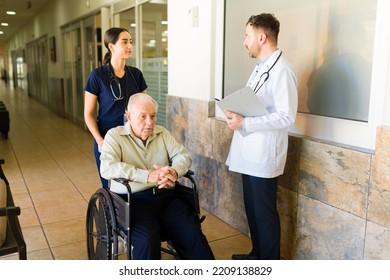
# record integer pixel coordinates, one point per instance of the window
(330, 44)
(148, 26)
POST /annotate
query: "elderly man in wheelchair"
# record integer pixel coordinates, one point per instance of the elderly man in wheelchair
(146, 208)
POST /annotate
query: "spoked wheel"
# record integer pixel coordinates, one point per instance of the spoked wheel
(100, 224)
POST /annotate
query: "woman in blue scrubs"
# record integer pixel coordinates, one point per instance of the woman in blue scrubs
(110, 86)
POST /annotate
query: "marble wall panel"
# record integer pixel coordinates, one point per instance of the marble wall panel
(188, 121)
(327, 233)
(201, 132)
(323, 194)
(230, 202)
(206, 179)
(377, 242)
(290, 177)
(220, 191)
(221, 142)
(335, 176)
(177, 118)
(287, 207)
(379, 201)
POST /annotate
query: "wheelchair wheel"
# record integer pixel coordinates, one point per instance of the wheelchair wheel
(100, 225)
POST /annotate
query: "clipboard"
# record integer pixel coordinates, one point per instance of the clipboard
(243, 102)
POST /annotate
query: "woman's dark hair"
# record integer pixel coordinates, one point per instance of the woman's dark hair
(111, 36)
(268, 22)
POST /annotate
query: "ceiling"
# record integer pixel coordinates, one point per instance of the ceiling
(25, 10)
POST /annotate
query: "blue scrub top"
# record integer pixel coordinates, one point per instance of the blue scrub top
(110, 113)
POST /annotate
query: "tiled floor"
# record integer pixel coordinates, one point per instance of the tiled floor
(50, 166)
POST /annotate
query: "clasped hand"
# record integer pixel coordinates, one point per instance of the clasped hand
(164, 176)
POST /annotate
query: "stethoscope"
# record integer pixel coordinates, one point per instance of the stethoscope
(114, 79)
(264, 76)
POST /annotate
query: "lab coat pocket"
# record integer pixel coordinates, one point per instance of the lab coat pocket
(257, 147)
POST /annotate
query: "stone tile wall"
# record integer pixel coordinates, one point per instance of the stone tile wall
(334, 202)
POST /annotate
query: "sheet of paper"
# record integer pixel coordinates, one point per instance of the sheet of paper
(243, 102)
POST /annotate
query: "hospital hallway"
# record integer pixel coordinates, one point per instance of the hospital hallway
(50, 166)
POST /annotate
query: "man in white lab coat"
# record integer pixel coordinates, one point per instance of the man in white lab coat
(260, 155)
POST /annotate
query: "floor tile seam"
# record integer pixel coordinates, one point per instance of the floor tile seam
(38, 250)
(71, 197)
(80, 192)
(65, 173)
(72, 140)
(49, 152)
(61, 221)
(226, 237)
(41, 224)
(69, 243)
(70, 179)
(66, 244)
(45, 237)
(73, 201)
(29, 194)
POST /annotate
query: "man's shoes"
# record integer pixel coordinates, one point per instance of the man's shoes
(244, 257)
(122, 246)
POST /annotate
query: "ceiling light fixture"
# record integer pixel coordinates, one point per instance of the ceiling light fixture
(12, 13)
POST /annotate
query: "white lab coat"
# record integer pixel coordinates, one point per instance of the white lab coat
(263, 152)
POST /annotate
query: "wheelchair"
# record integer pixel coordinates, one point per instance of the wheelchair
(108, 220)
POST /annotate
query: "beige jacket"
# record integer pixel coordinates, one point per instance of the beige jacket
(125, 156)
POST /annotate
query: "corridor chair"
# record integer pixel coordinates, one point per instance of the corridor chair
(11, 236)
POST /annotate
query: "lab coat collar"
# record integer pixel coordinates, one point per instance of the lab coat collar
(270, 59)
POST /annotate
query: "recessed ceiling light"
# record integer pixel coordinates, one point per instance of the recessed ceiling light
(12, 13)
(4, 24)
(1, 32)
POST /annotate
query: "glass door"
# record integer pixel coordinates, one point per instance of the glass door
(73, 72)
(148, 26)
(68, 74)
(78, 90)
(154, 54)
(37, 63)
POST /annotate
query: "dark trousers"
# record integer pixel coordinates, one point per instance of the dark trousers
(164, 215)
(262, 215)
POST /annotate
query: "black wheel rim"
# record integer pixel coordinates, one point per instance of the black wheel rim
(99, 233)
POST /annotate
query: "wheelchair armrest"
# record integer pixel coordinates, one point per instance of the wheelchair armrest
(122, 180)
(189, 176)
(120, 186)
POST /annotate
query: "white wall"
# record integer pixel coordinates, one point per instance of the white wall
(195, 51)
(381, 70)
